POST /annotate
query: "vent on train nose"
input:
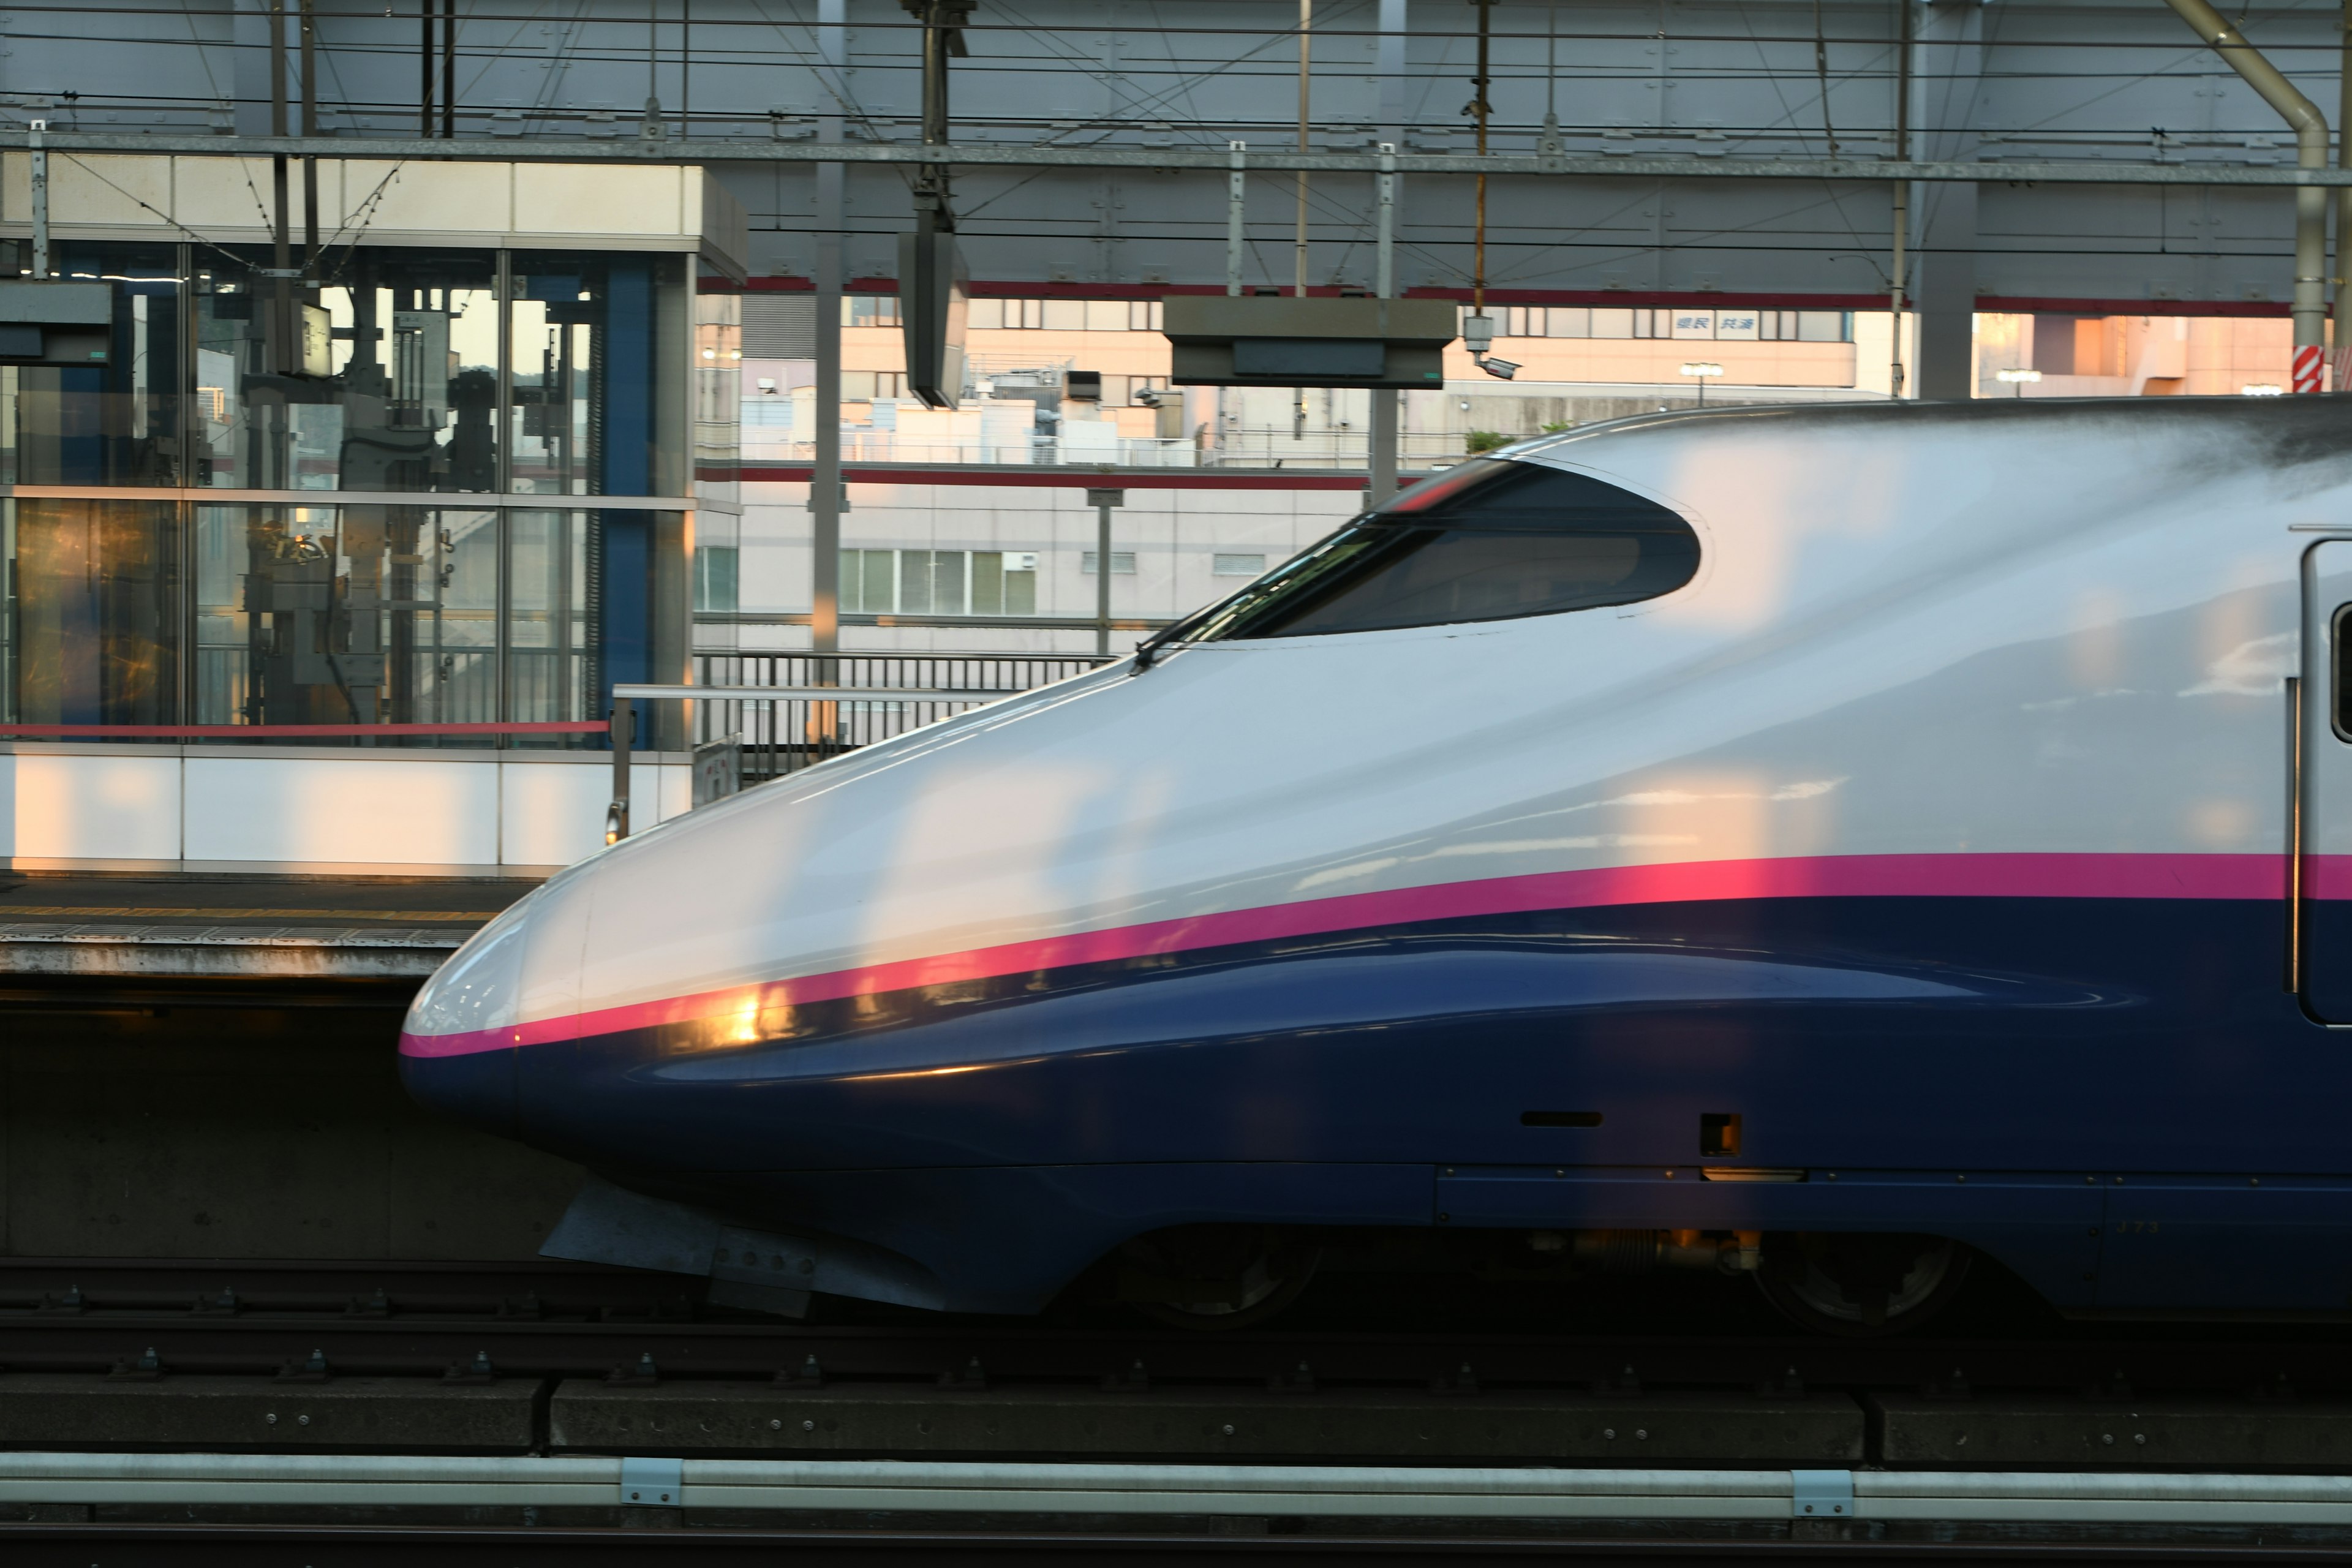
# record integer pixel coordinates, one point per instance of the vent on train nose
(1719, 1134)
(1490, 540)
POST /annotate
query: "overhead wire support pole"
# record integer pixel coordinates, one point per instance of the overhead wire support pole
(1103, 500)
(649, 126)
(1235, 189)
(1899, 272)
(35, 139)
(942, 39)
(1305, 79)
(2310, 126)
(1298, 258)
(424, 60)
(825, 480)
(2343, 355)
(1383, 480)
(280, 326)
(449, 71)
(1481, 108)
(310, 131)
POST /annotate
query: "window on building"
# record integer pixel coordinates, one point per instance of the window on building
(1223, 564)
(1004, 583)
(1122, 564)
(1805, 326)
(865, 385)
(939, 582)
(869, 309)
(714, 577)
(1065, 315)
(1491, 540)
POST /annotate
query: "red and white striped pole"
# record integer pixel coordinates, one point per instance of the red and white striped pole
(2309, 360)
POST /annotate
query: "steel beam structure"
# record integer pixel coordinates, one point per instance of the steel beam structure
(2064, 150)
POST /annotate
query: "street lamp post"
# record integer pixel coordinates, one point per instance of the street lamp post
(1702, 372)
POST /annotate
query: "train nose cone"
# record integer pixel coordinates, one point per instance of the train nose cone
(458, 1044)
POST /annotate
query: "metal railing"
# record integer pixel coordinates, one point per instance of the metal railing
(791, 711)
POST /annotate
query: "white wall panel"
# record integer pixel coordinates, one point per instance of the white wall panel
(79, 807)
(431, 813)
(554, 812)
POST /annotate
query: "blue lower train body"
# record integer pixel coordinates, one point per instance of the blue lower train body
(2120, 1100)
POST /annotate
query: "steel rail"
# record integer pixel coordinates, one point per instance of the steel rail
(574, 1339)
(1143, 1490)
(715, 150)
(242, 1544)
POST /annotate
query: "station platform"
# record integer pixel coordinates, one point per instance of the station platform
(166, 926)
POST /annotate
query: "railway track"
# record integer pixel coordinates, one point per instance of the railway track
(133, 1392)
(575, 1320)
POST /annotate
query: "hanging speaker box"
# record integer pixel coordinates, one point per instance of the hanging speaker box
(1221, 340)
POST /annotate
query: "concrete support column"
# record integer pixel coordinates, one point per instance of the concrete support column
(1390, 204)
(824, 484)
(1944, 297)
(1947, 63)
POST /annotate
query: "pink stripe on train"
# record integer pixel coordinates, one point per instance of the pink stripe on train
(1806, 876)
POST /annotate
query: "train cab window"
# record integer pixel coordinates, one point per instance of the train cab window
(1489, 540)
(2339, 679)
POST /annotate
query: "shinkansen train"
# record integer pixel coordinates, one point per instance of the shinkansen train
(1847, 846)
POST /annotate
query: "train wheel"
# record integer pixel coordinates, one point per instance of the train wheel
(1215, 1278)
(1860, 1286)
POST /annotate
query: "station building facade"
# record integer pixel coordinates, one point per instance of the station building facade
(465, 487)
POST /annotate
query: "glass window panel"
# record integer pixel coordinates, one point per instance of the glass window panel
(947, 582)
(1821, 326)
(403, 396)
(116, 422)
(986, 314)
(1491, 538)
(598, 344)
(915, 582)
(987, 582)
(714, 577)
(96, 612)
(1568, 322)
(355, 615)
(1065, 315)
(550, 638)
(1612, 323)
(880, 595)
(1107, 315)
(1021, 586)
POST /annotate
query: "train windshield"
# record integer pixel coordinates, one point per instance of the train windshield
(1487, 541)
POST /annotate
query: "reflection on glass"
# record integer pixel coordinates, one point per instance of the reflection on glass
(354, 614)
(549, 634)
(598, 344)
(389, 380)
(95, 612)
(116, 423)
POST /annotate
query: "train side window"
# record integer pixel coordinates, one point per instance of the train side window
(2339, 673)
(1489, 540)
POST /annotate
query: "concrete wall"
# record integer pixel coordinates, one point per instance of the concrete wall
(203, 1132)
(566, 205)
(316, 808)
